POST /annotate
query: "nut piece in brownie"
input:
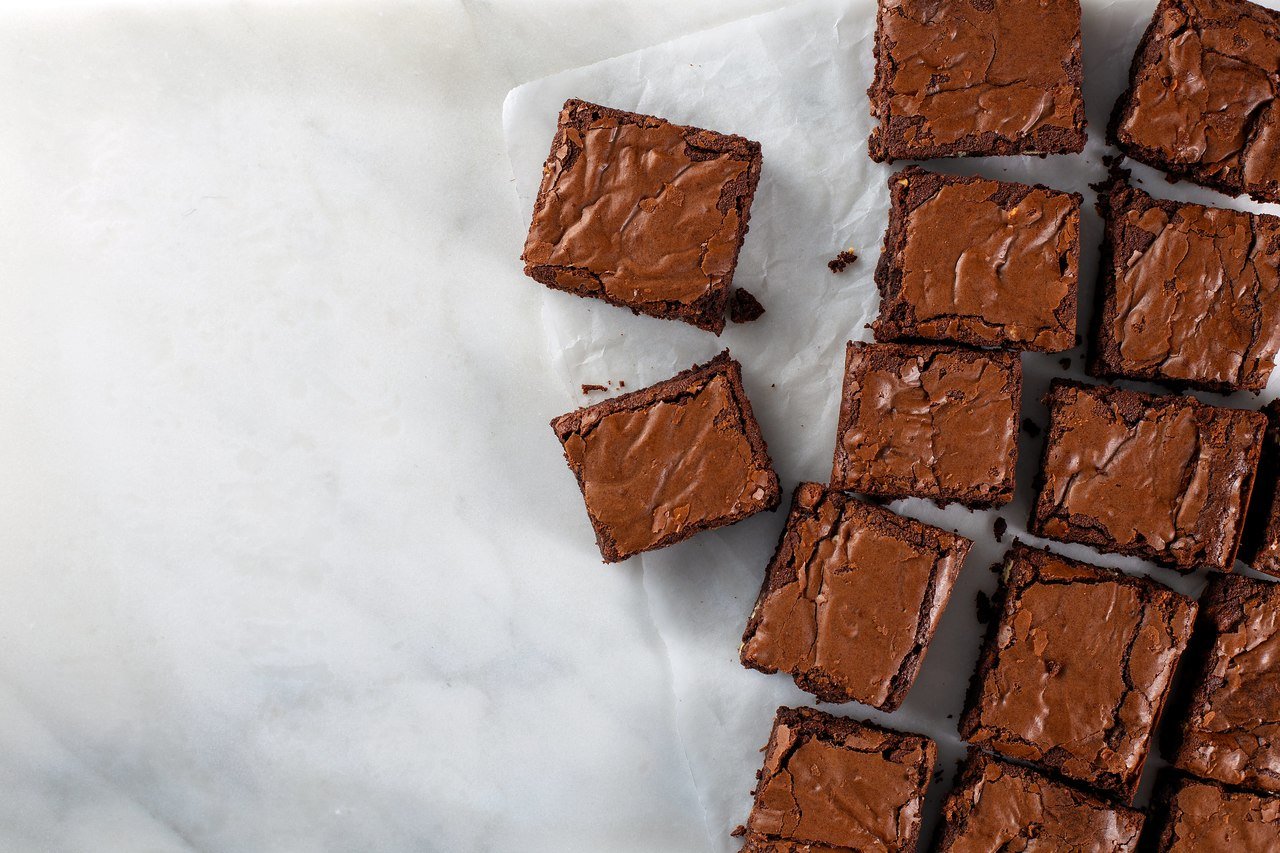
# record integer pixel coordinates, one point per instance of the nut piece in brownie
(839, 785)
(851, 598)
(1201, 102)
(1189, 295)
(660, 464)
(930, 422)
(958, 77)
(1075, 672)
(980, 262)
(1260, 545)
(997, 805)
(1205, 817)
(1159, 477)
(642, 213)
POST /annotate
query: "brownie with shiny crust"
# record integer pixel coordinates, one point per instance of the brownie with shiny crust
(851, 598)
(1075, 673)
(1260, 544)
(1198, 816)
(642, 213)
(660, 464)
(1154, 476)
(976, 77)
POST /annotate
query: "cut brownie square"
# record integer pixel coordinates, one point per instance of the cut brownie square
(1260, 544)
(660, 464)
(930, 422)
(1203, 817)
(1188, 295)
(642, 213)
(1201, 102)
(979, 262)
(956, 77)
(1076, 670)
(839, 784)
(851, 598)
(1158, 477)
(997, 805)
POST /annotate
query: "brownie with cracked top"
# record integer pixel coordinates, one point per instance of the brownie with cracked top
(1188, 295)
(837, 785)
(1159, 477)
(979, 262)
(851, 598)
(976, 77)
(1260, 544)
(929, 421)
(642, 213)
(1198, 816)
(1201, 102)
(660, 464)
(1074, 674)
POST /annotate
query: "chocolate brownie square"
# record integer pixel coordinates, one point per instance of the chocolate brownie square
(661, 464)
(838, 785)
(959, 77)
(1159, 477)
(1188, 295)
(1196, 816)
(928, 421)
(1075, 672)
(979, 262)
(851, 598)
(642, 213)
(1201, 102)
(1260, 544)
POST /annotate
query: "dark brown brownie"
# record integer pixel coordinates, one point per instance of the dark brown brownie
(663, 463)
(979, 262)
(930, 422)
(1196, 816)
(851, 598)
(1201, 100)
(958, 77)
(1188, 295)
(642, 213)
(997, 806)
(1160, 477)
(1075, 672)
(835, 784)
(1260, 545)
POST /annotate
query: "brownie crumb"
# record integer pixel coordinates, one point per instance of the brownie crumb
(1064, 363)
(1030, 427)
(937, 776)
(622, 383)
(743, 307)
(985, 609)
(999, 528)
(738, 831)
(841, 261)
(587, 389)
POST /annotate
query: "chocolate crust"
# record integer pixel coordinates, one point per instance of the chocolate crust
(1260, 544)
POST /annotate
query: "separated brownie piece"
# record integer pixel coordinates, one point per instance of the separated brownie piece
(997, 806)
(1189, 295)
(930, 422)
(839, 785)
(660, 464)
(642, 213)
(1260, 545)
(955, 77)
(851, 598)
(1201, 99)
(1159, 477)
(980, 262)
(1203, 817)
(1074, 674)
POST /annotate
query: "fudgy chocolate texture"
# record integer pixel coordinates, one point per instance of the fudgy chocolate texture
(660, 464)
(977, 77)
(979, 262)
(1000, 806)
(1260, 545)
(1189, 295)
(1196, 816)
(1075, 672)
(1160, 477)
(642, 213)
(930, 422)
(851, 598)
(1201, 102)
(839, 785)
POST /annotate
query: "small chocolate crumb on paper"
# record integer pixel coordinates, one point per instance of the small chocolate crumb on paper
(743, 307)
(986, 611)
(1030, 427)
(999, 527)
(587, 389)
(1064, 363)
(841, 261)
(738, 831)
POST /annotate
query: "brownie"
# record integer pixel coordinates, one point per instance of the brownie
(1189, 295)
(851, 598)
(1197, 816)
(1075, 672)
(929, 421)
(959, 77)
(979, 262)
(1159, 477)
(1260, 544)
(835, 784)
(642, 213)
(660, 464)
(1201, 98)
(997, 805)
